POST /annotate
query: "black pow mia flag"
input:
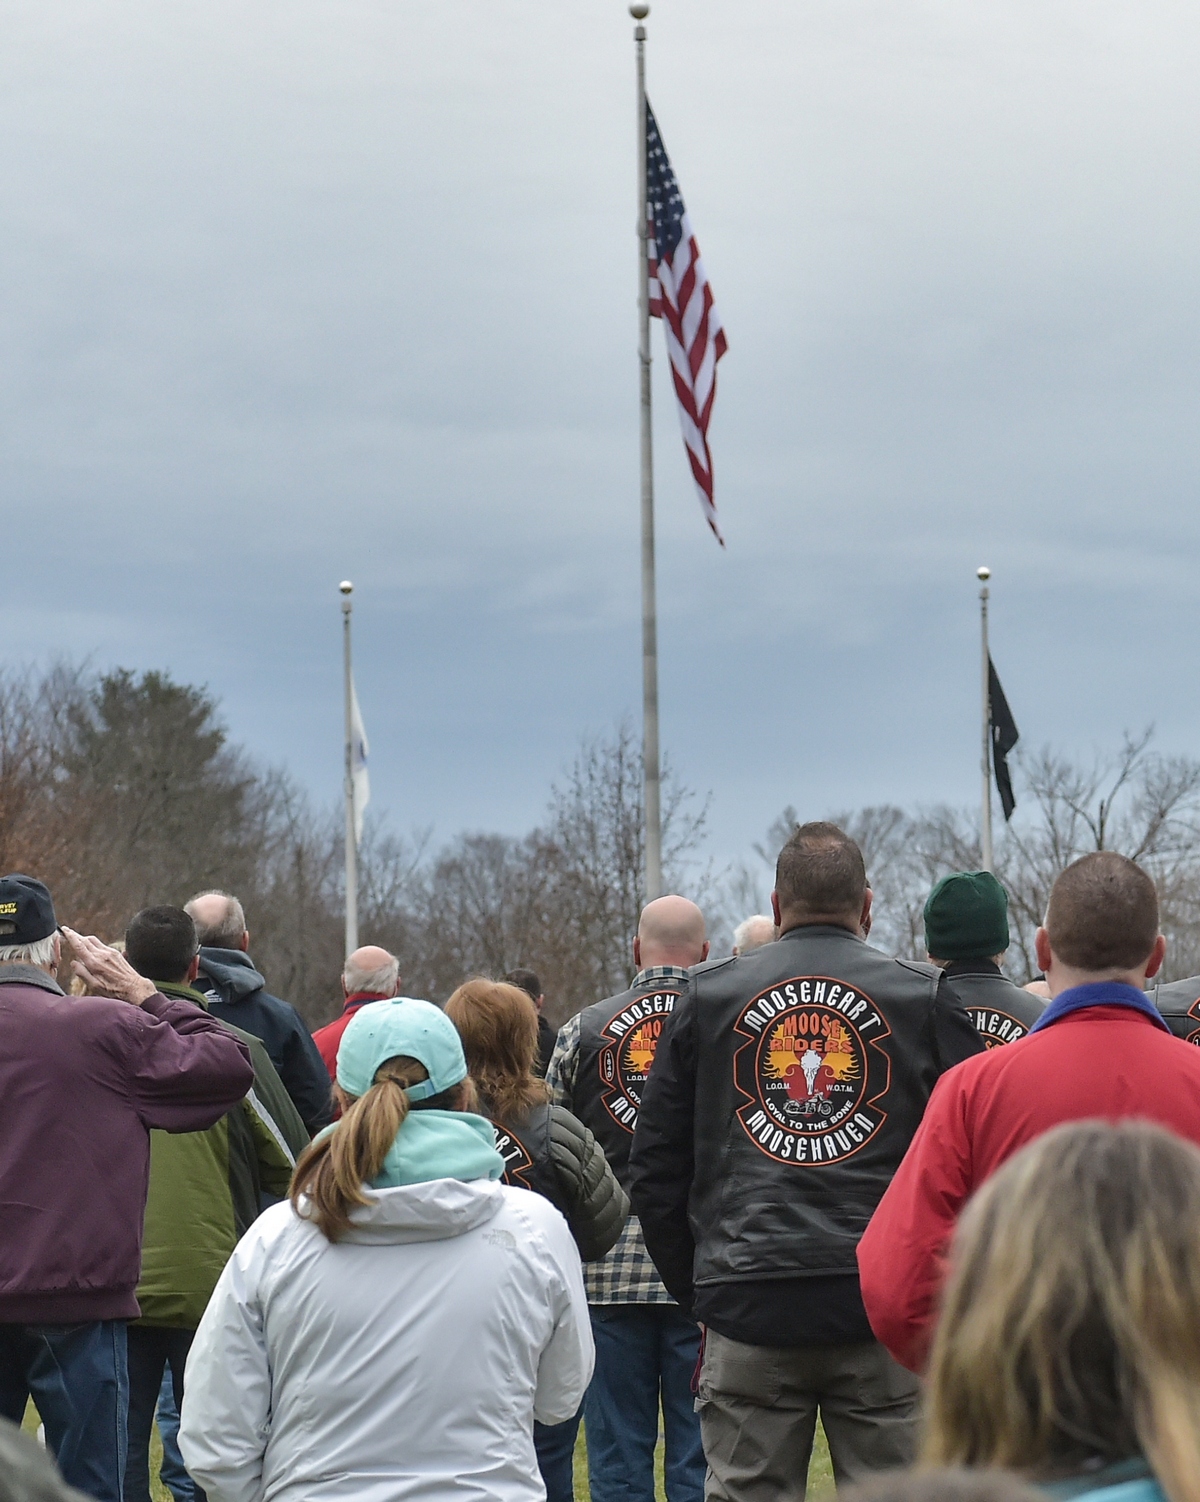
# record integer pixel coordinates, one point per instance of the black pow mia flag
(1004, 737)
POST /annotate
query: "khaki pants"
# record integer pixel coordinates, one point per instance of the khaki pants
(758, 1414)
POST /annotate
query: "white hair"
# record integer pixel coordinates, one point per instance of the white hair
(40, 953)
(382, 979)
(743, 935)
(227, 932)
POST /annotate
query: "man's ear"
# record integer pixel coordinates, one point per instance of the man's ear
(637, 953)
(344, 986)
(864, 921)
(1042, 951)
(244, 946)
(193, 970)
(1157, 955)
(775, 909)
(704, 951)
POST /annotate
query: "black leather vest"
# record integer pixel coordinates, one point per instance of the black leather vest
(524, 1144)
(1000, 1010)
(815, 1057)
(617, 1040)
(1179, 1002)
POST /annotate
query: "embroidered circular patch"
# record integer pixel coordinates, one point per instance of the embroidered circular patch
(631, 1039)
(810, 1071)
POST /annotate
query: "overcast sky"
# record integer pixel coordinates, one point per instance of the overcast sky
(298, 290)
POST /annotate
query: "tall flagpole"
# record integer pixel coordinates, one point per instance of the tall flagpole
(650, 757)
(347, 590)
(985, 828)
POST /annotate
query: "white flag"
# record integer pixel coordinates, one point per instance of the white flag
(360, 781)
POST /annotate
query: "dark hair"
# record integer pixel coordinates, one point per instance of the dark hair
(820, 872)
(160, 943)
(1103, 913)
(527, 981)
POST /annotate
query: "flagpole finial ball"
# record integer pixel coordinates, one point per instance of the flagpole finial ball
(346, 587)
(639, 12)
(980, 573)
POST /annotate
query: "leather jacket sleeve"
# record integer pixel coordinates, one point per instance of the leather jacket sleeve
(661, 1163)
(955, 1037)
(597, 1206)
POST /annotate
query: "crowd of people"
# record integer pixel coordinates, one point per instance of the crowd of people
(953, 1219)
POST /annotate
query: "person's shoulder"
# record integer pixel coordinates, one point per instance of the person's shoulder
(531, 1220)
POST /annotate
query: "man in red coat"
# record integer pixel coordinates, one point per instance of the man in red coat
(370, 974)
(1100, 1049)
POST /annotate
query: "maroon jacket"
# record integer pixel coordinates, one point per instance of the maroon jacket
(82, 1081)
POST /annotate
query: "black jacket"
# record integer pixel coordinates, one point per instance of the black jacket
(1001, 1011)
(237, 993)
(552, 1153)
(1179, 1002)
(617, 1040)
(785, 1090)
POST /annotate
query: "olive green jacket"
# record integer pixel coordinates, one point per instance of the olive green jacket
(205, 1189)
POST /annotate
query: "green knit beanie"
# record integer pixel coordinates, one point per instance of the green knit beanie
(966, 917)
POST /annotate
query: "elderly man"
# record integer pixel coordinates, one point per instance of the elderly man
(646, 1349)
(237, 993)
(1101, 1049)
(753, 933)
(787, 1086)
(83, 1079)
(370, 974)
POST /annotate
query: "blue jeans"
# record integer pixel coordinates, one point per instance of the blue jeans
(173, 1473)
(646, 1355)
(555, 1446)
(78, 1378)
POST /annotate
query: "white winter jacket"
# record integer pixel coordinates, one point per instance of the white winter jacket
(407, 1361)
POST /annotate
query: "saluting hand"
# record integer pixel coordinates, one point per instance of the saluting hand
(106, 972)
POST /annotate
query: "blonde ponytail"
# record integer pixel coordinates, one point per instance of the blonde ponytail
(331, 1173)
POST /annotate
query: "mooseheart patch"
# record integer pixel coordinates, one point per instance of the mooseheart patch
(996, 1027)
(811, 1070)
(631, 1038)
(517, 1158)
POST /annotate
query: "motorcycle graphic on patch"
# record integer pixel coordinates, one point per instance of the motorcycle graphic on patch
(810, 1070)
(631, 1040)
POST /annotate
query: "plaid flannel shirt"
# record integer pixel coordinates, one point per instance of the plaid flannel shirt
(626, 1275)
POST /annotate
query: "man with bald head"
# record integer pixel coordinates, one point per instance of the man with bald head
(787, 1085)
(370, 974)
(646, 1349)
(237, 993)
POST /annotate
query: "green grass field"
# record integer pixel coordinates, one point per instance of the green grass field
(820, 1473)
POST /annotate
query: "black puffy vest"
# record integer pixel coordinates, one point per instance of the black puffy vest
(1179, 1002)
(815, 1057)
(524, 1144)
(1000, 1010)
(617, 1040)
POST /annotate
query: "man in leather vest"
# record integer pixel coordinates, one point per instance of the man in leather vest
(646, 1349)
(966, 935)
(1179, 1003)
(785, 1091)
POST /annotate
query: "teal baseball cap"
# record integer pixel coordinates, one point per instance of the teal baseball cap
(381, 1030)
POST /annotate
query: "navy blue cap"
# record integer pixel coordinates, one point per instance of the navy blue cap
(26, 910)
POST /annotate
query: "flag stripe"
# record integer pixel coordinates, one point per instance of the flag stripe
(681, 296)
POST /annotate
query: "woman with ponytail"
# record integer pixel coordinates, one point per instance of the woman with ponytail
(545, 1149)
(393, 1331)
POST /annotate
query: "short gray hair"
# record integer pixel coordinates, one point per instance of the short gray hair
(382, 979)
(742, 942)
(39, 953)
(227, 932)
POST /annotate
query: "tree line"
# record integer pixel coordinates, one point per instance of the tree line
(120, 790)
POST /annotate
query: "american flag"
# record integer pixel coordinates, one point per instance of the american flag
(681, 297)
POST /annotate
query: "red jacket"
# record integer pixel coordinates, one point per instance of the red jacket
(82, 1082)
(328, 1038)
(1107, 1061)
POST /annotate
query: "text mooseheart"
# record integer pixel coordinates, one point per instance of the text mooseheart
(631, 1039)
(811, 1070)
(517, 1158)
